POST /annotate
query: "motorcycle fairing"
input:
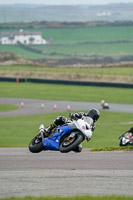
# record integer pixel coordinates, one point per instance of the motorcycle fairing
(52, 143)
(126, 139)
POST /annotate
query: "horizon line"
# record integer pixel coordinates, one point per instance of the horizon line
(64, 4)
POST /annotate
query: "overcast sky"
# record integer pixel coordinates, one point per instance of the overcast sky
(64, 2)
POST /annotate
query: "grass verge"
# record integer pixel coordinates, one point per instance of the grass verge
(126, 148)
(73, 198)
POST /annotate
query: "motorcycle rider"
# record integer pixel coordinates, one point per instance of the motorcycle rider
(91, 117)
(130, 130)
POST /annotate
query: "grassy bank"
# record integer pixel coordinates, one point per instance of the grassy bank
(124, 71)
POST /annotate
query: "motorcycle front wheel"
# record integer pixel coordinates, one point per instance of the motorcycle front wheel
(36, 145)
(70, 142)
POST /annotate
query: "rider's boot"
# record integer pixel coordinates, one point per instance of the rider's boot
(58, 121)
(78, 149)
(50, 128)
(42, 131)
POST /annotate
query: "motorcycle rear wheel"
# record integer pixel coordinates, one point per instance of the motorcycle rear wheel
(36, 145)
(68, 145)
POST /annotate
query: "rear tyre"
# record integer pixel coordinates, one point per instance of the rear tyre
(36, 145)
(70, 143)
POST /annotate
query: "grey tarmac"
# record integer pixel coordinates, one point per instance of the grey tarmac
(53, 173)
(34, 106)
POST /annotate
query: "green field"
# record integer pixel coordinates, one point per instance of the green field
(18, 131)
(76, 35)
(66, 92)
(84, 43)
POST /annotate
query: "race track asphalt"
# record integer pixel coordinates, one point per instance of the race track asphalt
(53, 173)
(34, 106)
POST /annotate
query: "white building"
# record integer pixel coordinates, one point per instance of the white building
(23, 37)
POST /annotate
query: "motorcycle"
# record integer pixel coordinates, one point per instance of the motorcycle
(126, 139)
(64, 138)
(104, 105)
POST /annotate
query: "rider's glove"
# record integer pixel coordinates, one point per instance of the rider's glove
(60, 120)
(93, 127)
(78, 115)
(75, 115)
(71, 115)
(131, 130)
(88, 139)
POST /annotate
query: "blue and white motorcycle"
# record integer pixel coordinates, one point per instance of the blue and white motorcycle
(64, 138)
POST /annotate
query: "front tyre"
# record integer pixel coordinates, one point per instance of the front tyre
(36, 145)
(70, 142)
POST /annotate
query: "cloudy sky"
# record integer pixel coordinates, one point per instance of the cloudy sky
(64, 2)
